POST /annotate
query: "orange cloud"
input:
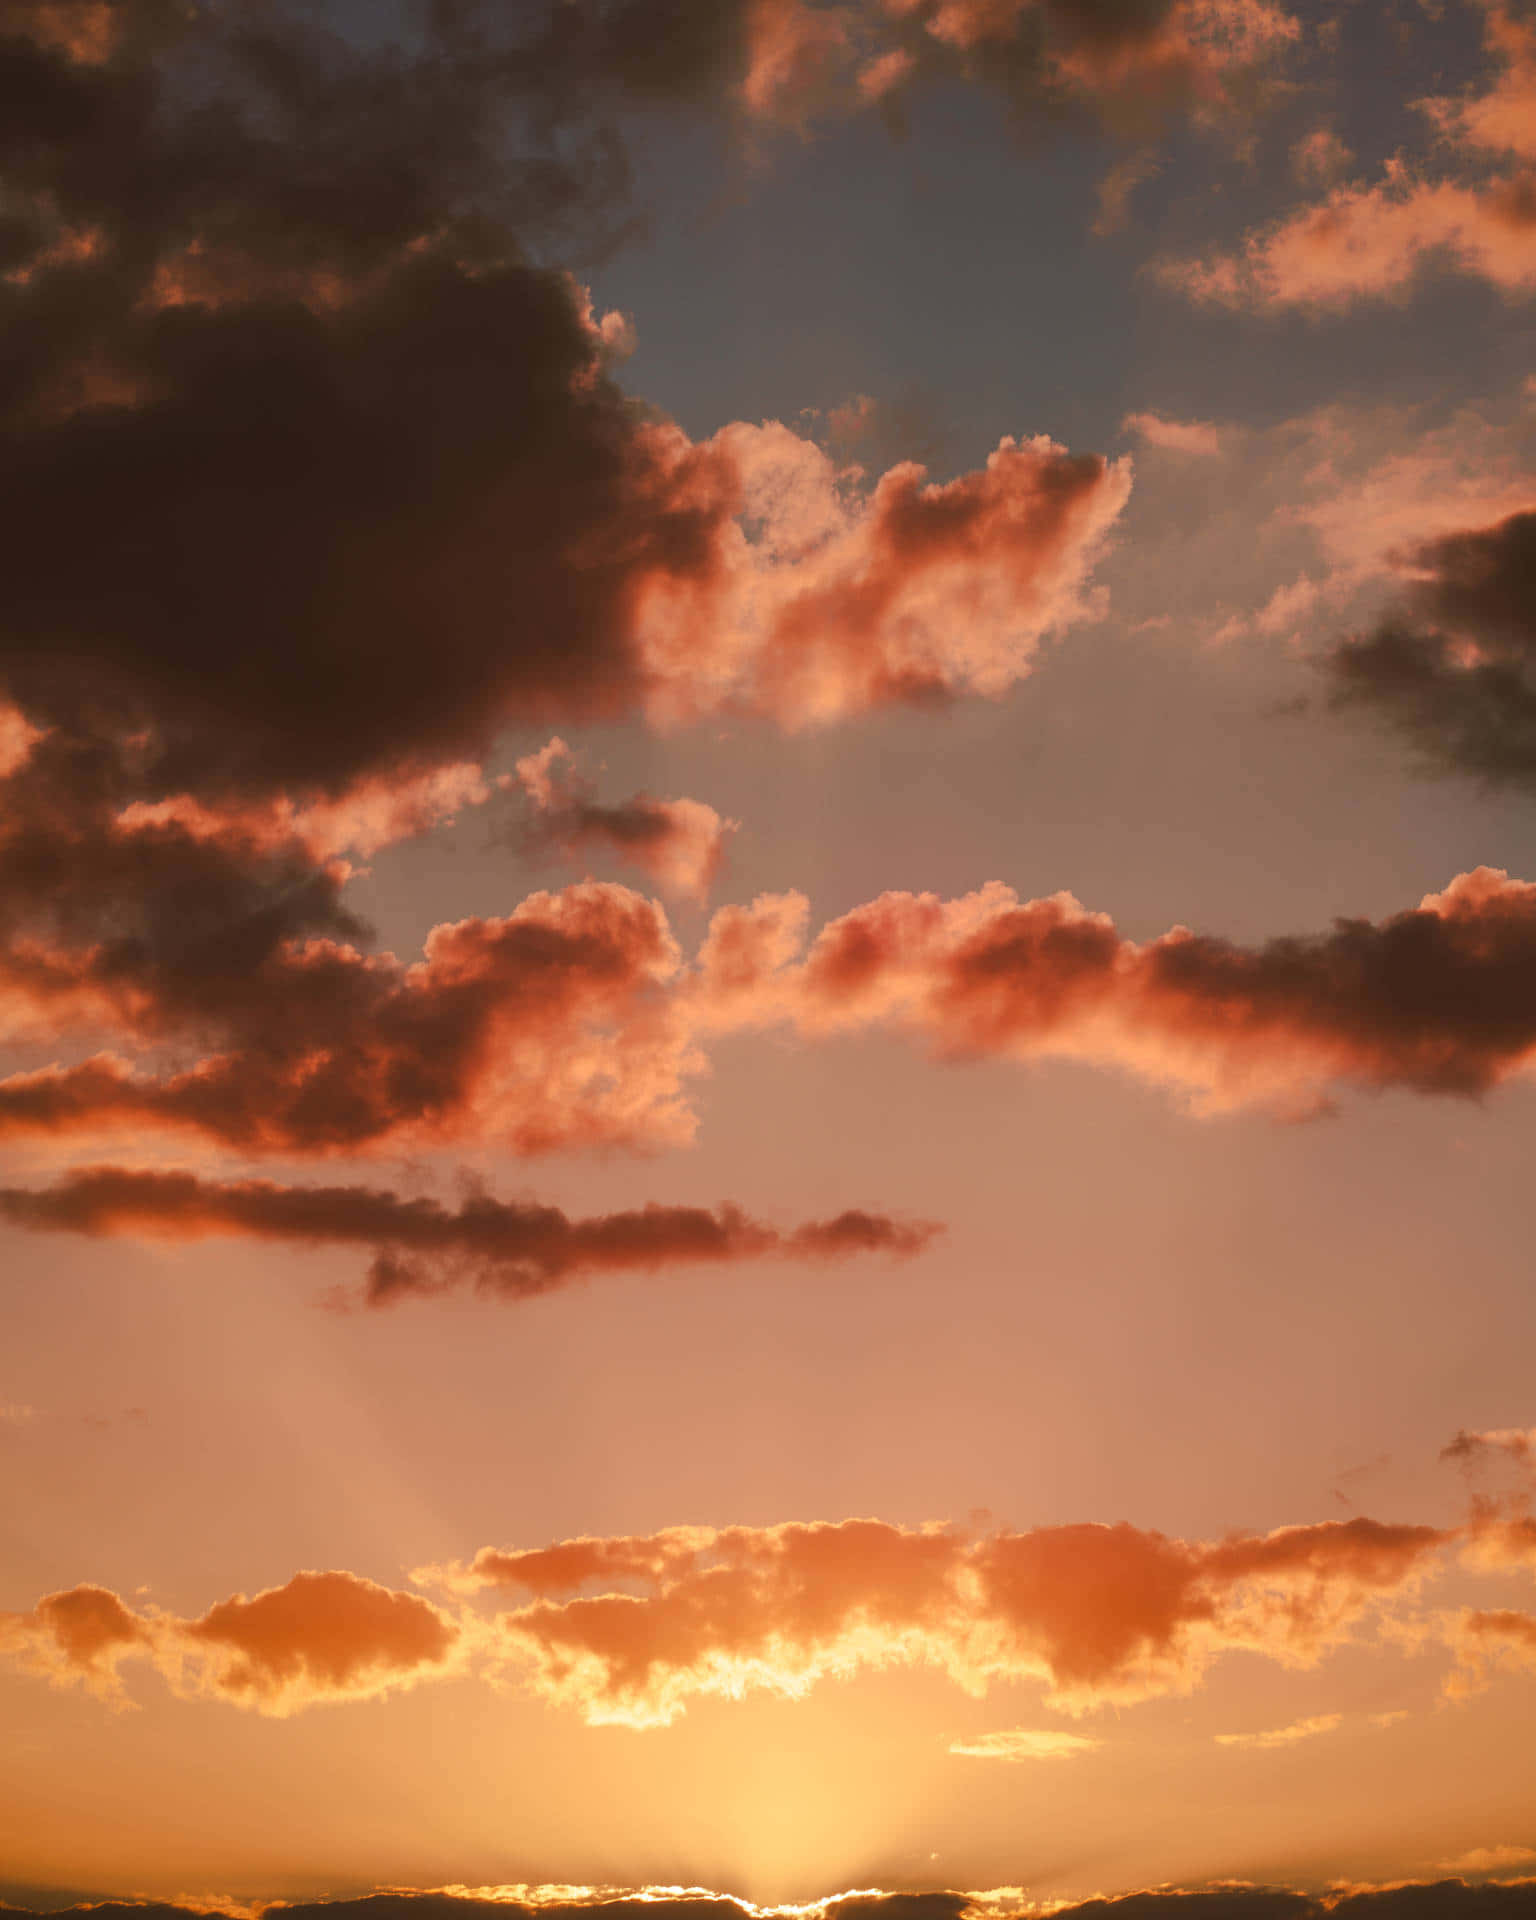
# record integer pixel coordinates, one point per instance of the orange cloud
(1273, 1737)
(827, 598)
(506, 1250)
(1485, 1640)
(1179, 55)
(679, 843)
(1098, 1613)
(1020, 1743)
(574, 1022)
(320, 1637)
(631, 1629)
(549, 1028)
(1372, 242)
(1435, 998)
(1502, 120)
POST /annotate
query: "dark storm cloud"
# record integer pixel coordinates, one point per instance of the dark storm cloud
(506, 1249)
(1453, 668)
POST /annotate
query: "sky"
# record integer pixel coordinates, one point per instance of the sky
(768, 956)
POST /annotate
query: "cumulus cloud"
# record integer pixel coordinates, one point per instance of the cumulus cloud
(630, 1630)
(319, 1637)
(1371, 240)
(227, 672)
(507, 1250)
(575, 1022)
(484, 528)
(1436, 999)
(547, 1028)
(679, 843)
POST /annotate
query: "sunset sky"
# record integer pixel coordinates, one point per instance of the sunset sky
(767, 949)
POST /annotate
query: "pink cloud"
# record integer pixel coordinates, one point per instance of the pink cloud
(679, 843)
(1175, 436)
(1372, 242)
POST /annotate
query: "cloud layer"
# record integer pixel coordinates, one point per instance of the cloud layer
(629, 1630)
(575, 1022)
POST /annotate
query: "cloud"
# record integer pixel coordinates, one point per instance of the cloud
(1450, 666)
(1373, 240)
(1503, 119)
(1319, 157)
(574, 1021)
(1482, 1860)
(320, 1637)
(829, 598)
(227, 672)
(1117, 186)
(1437, 999)
(1516, 1444)
(506, 1250)
(1405, 1900)
(1174, 436)
(1486, 1639)
(789, 64)
(1283, 1736)
(1132, 66)
(679, 843)
(484, 528)
(629, 1630)
(549, 1028)
(1020, 1743)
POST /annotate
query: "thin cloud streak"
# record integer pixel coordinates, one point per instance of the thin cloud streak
(504, 1250)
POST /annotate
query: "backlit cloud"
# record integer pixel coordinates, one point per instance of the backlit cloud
(320, 1637)
(629, 1631)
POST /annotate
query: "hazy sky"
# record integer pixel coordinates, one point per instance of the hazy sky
(767, 945)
